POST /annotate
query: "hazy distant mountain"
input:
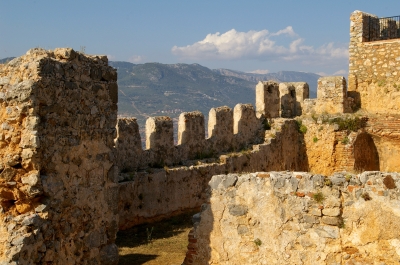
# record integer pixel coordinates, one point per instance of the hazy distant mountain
(154, 89)
(282, 76)
(167, 89)
(6, 60)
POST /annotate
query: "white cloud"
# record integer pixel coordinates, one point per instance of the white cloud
(288, 30)
(261, 45)
(136, 59)
(110, 57)
(341, 72)
(260, 71)
(322, 74)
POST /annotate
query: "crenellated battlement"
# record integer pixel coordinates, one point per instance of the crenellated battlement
(228, 129)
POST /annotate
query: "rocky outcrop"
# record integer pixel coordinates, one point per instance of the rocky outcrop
(298, 218)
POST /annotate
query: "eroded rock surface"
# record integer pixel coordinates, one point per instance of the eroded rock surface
(298, 218)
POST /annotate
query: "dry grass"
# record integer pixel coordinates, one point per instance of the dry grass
(166, 244)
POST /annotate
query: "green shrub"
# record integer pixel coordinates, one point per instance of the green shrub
(351, 124)
(258, 242)
(301, 127)
(341, 224)
(319, 197)
(348, 178)
(328, 182)
(315, 139)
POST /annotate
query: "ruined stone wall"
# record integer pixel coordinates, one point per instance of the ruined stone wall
(331, 95)
(298, 218)
(374, 78)
(57, 190)
(332, 148)
(385, 133)
(292, 96)
(156, 193)
(267, 99)
(229, 130)
(374, 146)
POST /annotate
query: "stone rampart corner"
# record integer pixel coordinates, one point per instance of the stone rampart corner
(58, 115)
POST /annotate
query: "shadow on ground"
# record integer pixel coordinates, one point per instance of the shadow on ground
(157, 243)
(135, 259)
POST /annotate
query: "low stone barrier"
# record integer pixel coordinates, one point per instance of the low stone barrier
(298, 218)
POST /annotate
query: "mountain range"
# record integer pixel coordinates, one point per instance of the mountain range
(155, 89)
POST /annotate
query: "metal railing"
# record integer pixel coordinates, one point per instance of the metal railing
(385, 28)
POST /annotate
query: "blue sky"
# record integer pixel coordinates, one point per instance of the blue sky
(249, 36)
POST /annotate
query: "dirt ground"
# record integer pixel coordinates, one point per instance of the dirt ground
(155, 244)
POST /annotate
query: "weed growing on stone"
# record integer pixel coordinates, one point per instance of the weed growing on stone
(345, 140)
(315, 139)
(381, 83)
(301, 127)
(258, 242)
(319, 197)
(348, 177)
(315, 118)
(246, 153)
(350, 124)
(328, 182)
(341, 224)
(149, 233)
(366, 196)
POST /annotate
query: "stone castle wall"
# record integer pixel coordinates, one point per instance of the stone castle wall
(57, 187)
(228, 129)
(374, 78)
(298, 218)
(157, 193)
(63, 151)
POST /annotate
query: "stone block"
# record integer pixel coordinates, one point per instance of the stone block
(159, 133)
(292, 96)
(331, 211)
(220, 128)
(267, 99)
(331, 95)
(329, 220)
(191, 133)
(311, 219)
(246, 126)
